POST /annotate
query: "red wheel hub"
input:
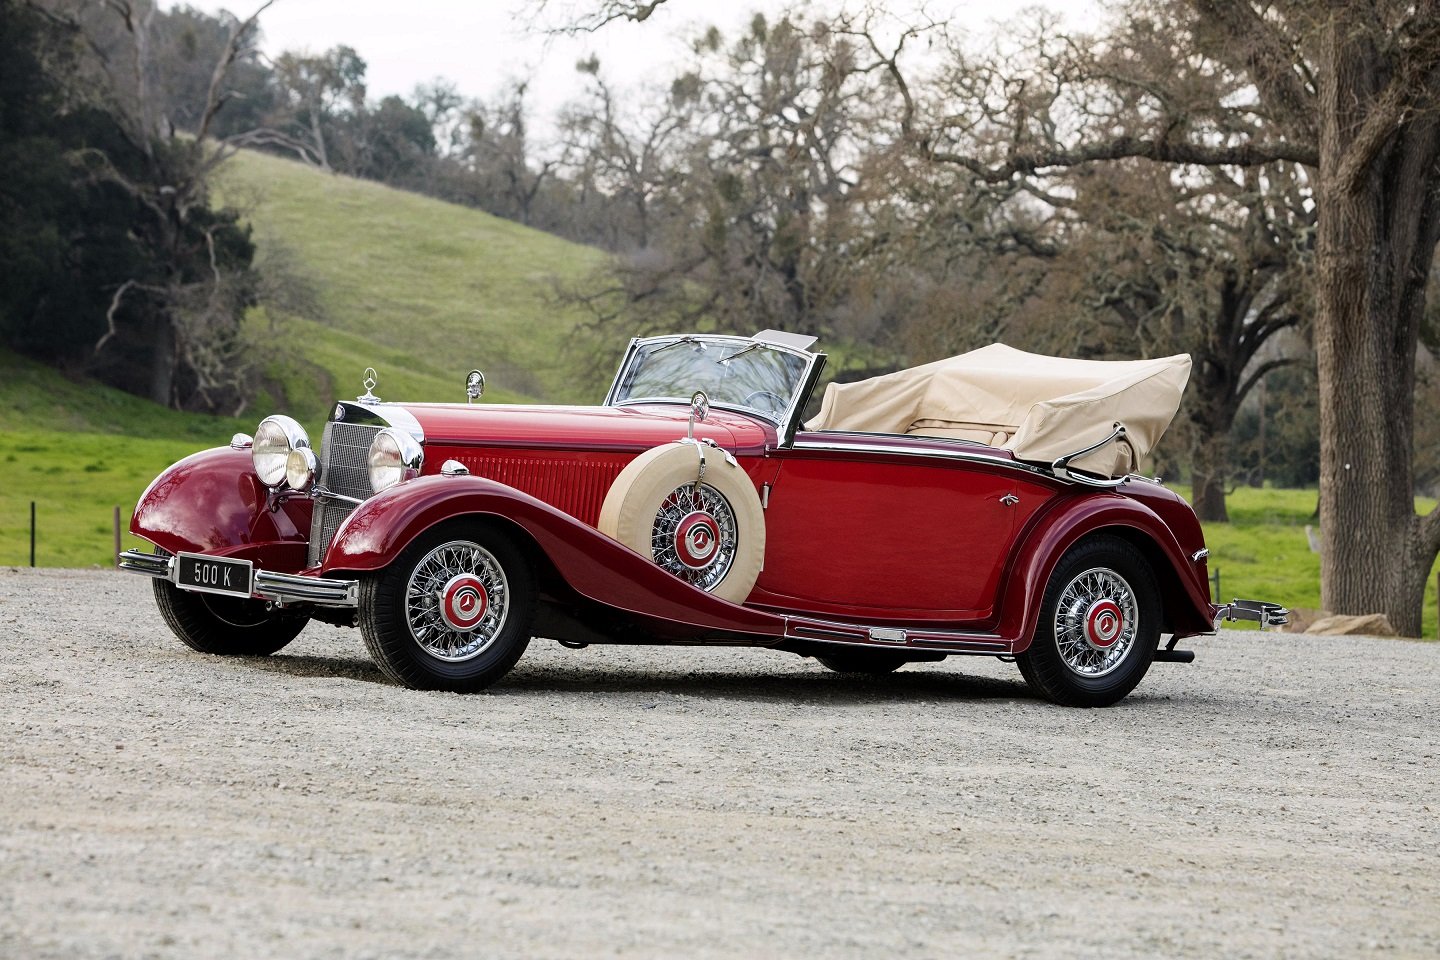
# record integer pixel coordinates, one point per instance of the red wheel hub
(1104, 622)
(463, 602)
(697, 540)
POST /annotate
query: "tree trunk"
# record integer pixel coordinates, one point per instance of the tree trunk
(1207, 486)
(162, 360)
(1374, 246)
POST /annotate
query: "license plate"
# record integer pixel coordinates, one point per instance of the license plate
(213, 575)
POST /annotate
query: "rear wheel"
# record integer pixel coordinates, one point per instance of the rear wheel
(1099, 625)
(226, 626)
(453, 612)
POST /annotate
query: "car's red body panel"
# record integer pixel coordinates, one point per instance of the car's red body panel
(212, 502)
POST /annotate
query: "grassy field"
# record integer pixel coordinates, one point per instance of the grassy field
(1263, 553)
(418, 289)
(78, 450)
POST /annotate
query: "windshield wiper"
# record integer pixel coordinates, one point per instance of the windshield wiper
(672, 343)
(739, 353)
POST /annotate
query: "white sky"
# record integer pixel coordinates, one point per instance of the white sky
(481, 44)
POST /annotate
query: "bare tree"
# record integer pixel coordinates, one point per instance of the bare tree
(1348, 93)
(187, 308)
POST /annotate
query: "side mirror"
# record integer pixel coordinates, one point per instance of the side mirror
(474, 386)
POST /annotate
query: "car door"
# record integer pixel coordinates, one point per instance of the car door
(887, 528)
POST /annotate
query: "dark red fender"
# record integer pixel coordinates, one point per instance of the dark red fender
(1064, 521)
(212, 502)
(594, 565)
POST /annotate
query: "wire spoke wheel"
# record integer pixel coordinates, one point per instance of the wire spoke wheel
(453, 611)
(694, 535)
(1096, 622)
(456, 601)
(1099, 624)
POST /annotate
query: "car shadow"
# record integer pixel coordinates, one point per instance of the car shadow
(303, 665)
(786, 684)
(821, 688)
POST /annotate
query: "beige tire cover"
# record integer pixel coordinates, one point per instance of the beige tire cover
(684, 541)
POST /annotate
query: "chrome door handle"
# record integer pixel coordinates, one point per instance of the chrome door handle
(1009, 500)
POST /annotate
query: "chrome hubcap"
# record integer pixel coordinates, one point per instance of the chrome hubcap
(694, 535)
(456, 601)
(1096, 622)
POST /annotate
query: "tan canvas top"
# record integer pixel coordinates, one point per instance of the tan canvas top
(1041, 408)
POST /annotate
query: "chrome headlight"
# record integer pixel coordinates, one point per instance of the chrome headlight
(300, 468)
(394, 456)
(274, 439)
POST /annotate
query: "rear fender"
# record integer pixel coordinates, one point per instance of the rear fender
(1184, 596)
(595, 566)
(212, 502)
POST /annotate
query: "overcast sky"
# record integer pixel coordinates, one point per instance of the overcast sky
(480, 44)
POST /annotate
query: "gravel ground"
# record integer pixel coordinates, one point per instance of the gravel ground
(1277, 798)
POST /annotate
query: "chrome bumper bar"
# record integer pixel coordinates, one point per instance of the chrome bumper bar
(1258, 611)
(277, 587)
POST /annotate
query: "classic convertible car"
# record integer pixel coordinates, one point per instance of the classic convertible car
(985, 504)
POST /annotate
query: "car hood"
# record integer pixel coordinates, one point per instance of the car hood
(635, 427)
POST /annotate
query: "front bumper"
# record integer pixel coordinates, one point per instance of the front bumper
(1258, 611)
(279, 588)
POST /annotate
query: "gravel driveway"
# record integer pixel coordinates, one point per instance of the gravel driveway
(1277, 798)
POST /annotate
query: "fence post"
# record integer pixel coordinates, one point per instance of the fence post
(32, 533)
(117, 534)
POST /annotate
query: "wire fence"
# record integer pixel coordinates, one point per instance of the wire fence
(117, 526)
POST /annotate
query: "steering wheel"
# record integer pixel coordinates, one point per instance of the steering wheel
(774, 402)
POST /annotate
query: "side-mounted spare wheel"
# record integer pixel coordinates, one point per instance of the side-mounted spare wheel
(1099, 626)
(453, 611)
(709, 531)
(226, 626)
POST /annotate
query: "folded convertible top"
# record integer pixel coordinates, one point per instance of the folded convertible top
(1040, 408)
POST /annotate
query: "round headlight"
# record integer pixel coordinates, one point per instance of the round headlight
(300, 468)
(274, 439)
(394, 456)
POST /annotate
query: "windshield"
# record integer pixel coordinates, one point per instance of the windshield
(733, 371)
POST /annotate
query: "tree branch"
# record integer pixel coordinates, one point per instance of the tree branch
(1161, 151)
(1411, 84)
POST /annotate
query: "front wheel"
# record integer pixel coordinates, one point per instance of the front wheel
(225, 626)
(1099, 626)
(453, 612)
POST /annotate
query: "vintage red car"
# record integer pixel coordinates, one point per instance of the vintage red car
(981, 505)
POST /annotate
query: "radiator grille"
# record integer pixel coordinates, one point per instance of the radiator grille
(343, 470)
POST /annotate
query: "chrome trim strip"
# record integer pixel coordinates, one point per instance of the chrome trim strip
(269, 585)
(865, 635)
(804, 443)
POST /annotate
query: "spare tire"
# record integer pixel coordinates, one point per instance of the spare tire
(709, 533)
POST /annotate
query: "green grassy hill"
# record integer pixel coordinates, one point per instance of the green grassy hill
(419, 289)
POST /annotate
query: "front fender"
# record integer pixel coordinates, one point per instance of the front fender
(594, 565)
(1185, 599)
(212, 502)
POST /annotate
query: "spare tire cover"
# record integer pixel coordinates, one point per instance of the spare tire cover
(710, 534)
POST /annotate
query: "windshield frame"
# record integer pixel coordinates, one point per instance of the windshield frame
(784, 422)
